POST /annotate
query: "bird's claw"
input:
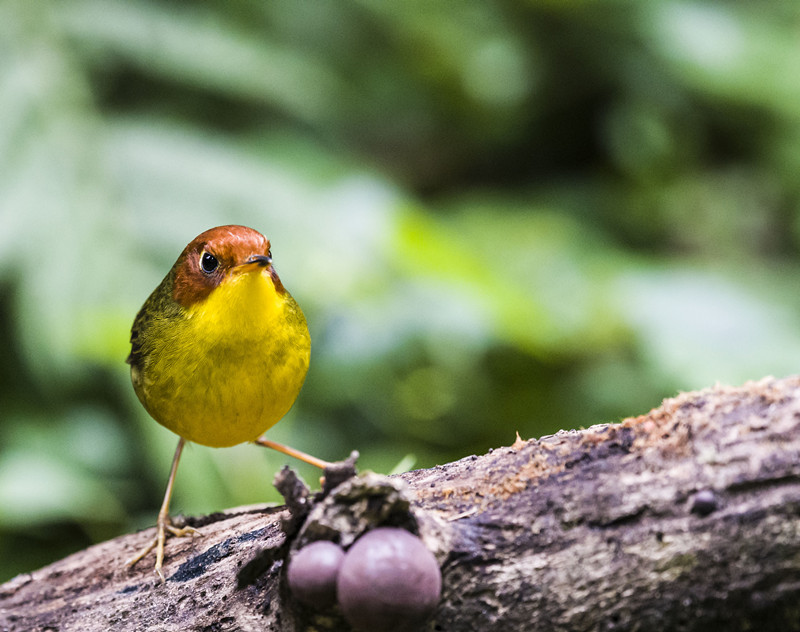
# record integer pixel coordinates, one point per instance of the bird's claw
(163, 527)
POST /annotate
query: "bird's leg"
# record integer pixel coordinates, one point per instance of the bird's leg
(163, 524)
(297, 454)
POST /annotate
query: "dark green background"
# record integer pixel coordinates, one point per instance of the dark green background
(497, 216)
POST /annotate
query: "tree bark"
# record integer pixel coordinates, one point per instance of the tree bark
(687, 518)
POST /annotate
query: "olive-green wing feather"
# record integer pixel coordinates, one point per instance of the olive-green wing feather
(139, 325)
(159, 304)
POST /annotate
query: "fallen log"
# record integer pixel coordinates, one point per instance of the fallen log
(686, 518)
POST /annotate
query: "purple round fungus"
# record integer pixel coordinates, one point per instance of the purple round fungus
(312, 573)
(389, 582)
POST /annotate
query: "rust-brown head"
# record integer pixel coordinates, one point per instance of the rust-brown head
(217, 254)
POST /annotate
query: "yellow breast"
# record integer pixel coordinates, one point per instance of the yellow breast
(231, 366)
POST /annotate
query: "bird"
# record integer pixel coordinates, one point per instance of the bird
(219, 353)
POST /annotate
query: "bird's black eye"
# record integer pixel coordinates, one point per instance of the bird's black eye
(208, 262)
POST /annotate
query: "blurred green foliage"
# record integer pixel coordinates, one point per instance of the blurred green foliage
(498, 216)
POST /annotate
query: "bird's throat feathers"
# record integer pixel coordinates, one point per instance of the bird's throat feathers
(245, 302)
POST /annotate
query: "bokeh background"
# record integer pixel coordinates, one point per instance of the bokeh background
(498, 216)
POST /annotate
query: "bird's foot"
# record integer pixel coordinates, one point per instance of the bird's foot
(164, 527)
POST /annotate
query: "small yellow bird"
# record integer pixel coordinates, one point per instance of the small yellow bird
(219, 352)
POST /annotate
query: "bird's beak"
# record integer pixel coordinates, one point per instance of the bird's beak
(253, 262)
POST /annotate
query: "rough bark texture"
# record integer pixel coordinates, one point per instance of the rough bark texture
(687, 518)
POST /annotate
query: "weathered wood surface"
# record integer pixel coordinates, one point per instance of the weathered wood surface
(687, 518)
